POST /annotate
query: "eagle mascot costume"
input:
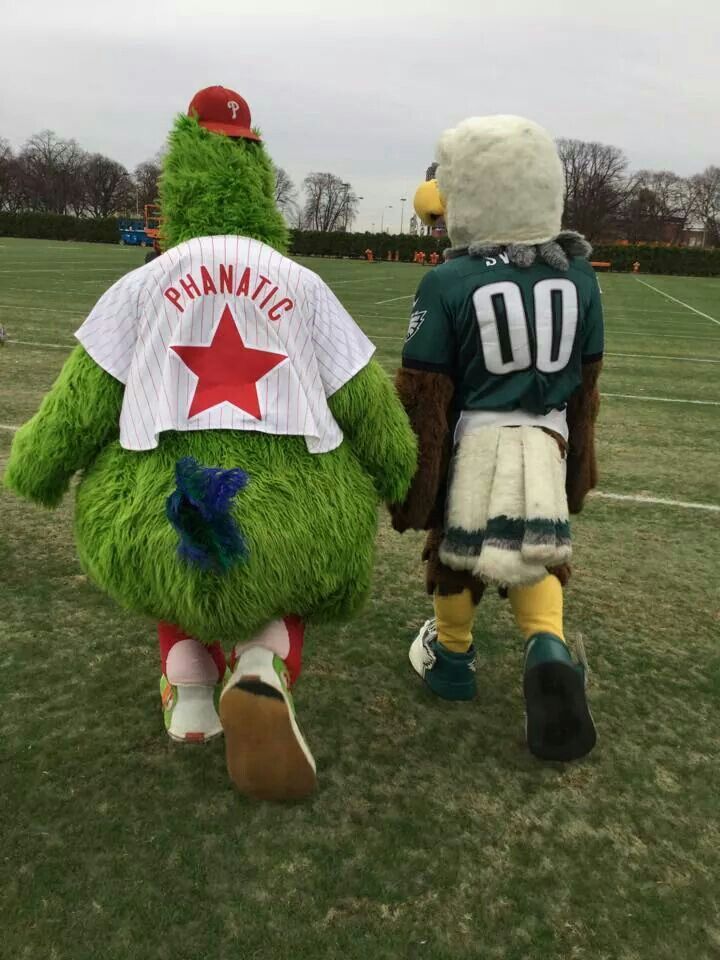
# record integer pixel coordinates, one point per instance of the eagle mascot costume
(499, 378)
(233, 437)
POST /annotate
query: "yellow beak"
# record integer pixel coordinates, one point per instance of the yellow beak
(428, 203)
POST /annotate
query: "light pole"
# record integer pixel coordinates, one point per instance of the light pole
(345, 204)
(388, 206)
(402, 213)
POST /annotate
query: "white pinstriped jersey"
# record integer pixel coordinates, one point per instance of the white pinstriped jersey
(225, 333)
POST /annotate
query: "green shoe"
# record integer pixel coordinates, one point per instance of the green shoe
(449, 675)
(559, 724)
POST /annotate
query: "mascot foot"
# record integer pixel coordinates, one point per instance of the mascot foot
(190, 711)
(267, 757)
(190, 685)
(559, 723)
(449, 675)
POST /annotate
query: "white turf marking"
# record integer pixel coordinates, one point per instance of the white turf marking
(408, 296)
(641, 310)
(632, 396)
(639, 498)
(629, 497)
(664, 336)
(638, 356)
(661, 356)
(675, 300)
(54, 346)
(108, 269)
(336, 283)
(25, 309)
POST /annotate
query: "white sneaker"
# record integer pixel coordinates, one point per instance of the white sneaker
(422, 655)
(267, 756)
(190, 692)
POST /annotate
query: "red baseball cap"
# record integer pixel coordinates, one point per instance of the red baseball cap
(221, 110)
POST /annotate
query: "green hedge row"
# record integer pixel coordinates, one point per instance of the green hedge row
(683, 261)
(55, 226)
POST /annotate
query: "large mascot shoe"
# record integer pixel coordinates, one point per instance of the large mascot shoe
(190, 711)
(267, 757)
(559, 723)
(190, 692)
(449, 675)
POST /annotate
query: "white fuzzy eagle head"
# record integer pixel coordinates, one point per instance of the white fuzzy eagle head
(501, 182)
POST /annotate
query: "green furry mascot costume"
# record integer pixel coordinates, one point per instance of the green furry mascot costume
(234, 437)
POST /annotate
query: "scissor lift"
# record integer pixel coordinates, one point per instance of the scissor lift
(152, 228)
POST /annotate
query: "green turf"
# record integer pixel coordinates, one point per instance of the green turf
(434, 835)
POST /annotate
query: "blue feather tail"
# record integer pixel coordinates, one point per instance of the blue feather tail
(199, 510)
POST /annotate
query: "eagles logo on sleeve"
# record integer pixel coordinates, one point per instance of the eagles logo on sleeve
(417, 318)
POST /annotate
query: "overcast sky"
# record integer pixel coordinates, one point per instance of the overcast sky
(364, 88)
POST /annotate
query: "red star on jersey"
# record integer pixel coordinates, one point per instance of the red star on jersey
(227, 370)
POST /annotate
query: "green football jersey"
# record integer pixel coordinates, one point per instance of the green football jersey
(510, 337)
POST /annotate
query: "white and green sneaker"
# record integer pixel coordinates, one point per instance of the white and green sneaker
(267, 756)
(449, 675)
(190, 711)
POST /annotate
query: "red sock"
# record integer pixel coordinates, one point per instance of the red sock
(296, 635)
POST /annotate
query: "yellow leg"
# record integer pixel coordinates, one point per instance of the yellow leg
(539, 608)
(455, 615)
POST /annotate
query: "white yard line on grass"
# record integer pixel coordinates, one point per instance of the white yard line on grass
(661, 356)
(336, 283)
(637, 356)
(629, 497)
(55, 346)
(20, 306)
(664, 336)
(407, 296)
(109, 269)
(640, 498)
(675, 300)
(640, 310)
(633, 396)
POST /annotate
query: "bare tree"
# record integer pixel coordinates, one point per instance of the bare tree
(285, 194)
(146, 177)
(51, 172)
(707, 203)
(8, 177)
(330, 204)
(596, 185)
(659, 207)
(108, 188)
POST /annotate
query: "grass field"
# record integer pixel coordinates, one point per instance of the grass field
(435, 835)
